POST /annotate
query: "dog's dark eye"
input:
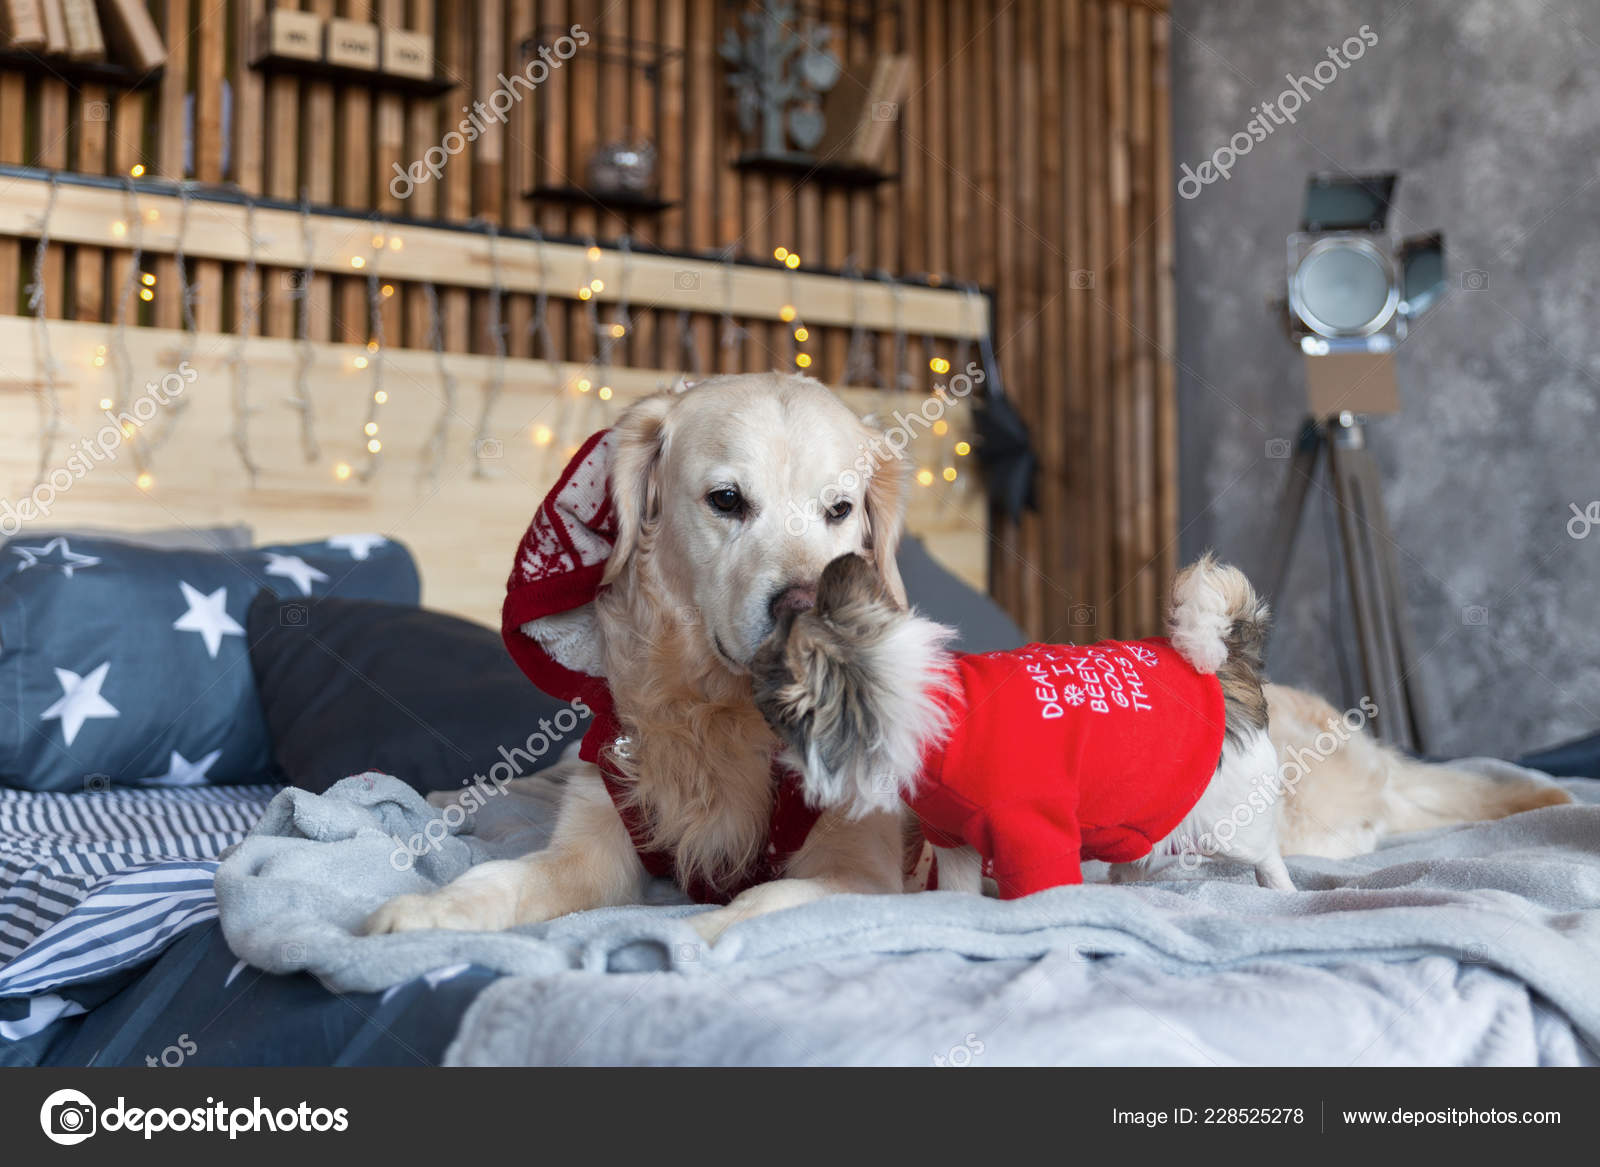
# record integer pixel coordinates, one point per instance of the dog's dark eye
(840, 511)
(726, 501)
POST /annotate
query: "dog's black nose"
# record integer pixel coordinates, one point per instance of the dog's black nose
(793, 598)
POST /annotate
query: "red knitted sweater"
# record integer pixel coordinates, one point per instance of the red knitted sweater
(1062, 753)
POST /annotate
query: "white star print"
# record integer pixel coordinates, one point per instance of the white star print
(182, 772)
(359, 546)
(207, 615)
(69, 562)
(80, 700)
(294, 568)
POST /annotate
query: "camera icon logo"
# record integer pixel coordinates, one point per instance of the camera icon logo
(1080, 615)
(1278, 448)
(1475, 279)
(686, 953)
(1082, 281)
(96, 783)
(885, 111)
(686, 281)
(68, 1117)
(295, 282)
(1475, 616)
(96, 111)
(294, 616)
(488, 448)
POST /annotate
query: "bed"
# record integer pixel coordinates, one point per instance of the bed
(1472, 946)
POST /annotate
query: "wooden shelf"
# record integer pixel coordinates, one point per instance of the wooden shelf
(619, 201)
(78, 72)
(345, 75)
(808, 168)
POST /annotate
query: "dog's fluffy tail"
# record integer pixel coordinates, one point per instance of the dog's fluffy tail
(1216, 617)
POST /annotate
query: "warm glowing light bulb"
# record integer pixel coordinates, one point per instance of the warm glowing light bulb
(780, 254)
(377, 242)
(802, 334)
(543, 435)
(597, 285)
(963, 449)
(583, 385)
(100, 363)
(924, 477)
(605, 393)
(394, 243)
(792, 262)
(941, 427)
(618, 331)
(342, 471)
(152, 215)
(370, 428)
(357, 261)
(584, 293)
(787, 313)
(144, 481)
(146, 295)
(360, 362)
(138, 170)
(381, 396)
(803, 360)
(105, 403)
(594, 255)
(127, 429)
(374, 446)
(147, 279)
(939, 365)
(949, 473)
(388, 289)
(119, 228)
(372, 346)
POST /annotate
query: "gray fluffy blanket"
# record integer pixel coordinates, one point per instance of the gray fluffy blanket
(1476, 945)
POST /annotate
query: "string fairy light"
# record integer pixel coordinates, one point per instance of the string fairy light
(860, 362)
(903, 380)
(438, 438)
(250, 297)
(497, 375)
(122, 360)
(799, 334)
(689, 344)
(156, 437)
(376, 347)
(43, 355)
(733, 333)
(305, 353)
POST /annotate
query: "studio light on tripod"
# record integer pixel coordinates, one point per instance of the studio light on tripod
(1353, 293)
(1352, 287)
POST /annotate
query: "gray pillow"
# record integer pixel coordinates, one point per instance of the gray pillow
(944, 597)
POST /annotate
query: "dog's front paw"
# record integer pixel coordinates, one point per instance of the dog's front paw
(711, 925)
(441, 910)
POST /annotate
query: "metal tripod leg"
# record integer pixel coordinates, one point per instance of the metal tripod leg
(1302, 468)
(1388, 656)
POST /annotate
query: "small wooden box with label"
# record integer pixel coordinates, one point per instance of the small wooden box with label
(283, 32)
(407, 54)
(351, 44)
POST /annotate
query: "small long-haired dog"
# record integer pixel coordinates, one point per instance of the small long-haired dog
(1132, 752)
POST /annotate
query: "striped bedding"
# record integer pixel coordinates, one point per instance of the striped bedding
(97, 881)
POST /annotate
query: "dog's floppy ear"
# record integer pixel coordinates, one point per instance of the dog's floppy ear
(886, 520)
(641, 437)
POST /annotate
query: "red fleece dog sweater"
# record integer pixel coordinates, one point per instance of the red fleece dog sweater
(1061, 753)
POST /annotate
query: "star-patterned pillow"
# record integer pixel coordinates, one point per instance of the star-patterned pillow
(127, 664)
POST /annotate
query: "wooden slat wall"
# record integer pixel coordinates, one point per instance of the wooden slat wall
(1033, 158)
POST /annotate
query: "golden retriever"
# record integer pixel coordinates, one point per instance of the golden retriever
(705, 483)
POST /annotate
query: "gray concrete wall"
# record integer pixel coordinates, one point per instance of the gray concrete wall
(1490, 109)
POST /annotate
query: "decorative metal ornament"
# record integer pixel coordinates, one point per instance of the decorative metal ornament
(780, 68)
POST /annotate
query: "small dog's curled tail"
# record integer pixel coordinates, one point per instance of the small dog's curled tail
(1216, 617)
